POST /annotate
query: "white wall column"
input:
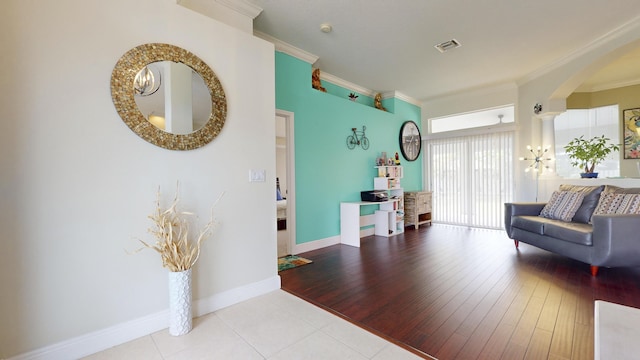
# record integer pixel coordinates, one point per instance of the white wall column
(549, 142)
(178, 98)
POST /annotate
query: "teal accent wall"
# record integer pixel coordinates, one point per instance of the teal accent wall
(326, 171)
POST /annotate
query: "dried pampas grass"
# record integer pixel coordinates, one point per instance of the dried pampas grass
(171, 230)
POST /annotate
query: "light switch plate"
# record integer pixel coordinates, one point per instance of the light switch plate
(257, 175)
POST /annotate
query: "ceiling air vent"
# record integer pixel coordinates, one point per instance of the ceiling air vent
(448, 45)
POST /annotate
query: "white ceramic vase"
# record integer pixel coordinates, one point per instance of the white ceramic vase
(180, 302)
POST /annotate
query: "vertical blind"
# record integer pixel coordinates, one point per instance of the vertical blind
(471, 178)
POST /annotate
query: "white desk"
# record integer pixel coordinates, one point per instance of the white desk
(616, 331)
(351, 221)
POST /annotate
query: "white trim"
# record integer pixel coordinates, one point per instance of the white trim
(289, 119)
(610, 85)
(288, 49)
(243, 7)
(315, 245)
(347, 85)
(403, 97)
(96, 341)
(474, 111)
(310, 58)
(367, 232)
(472, 131)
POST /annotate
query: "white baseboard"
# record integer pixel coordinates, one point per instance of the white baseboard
(319, 244)
(121, 333)
(315, 245)
(367, 232)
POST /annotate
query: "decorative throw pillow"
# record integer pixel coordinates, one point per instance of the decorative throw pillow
(562, 205)
(589, 203)
(618, 203)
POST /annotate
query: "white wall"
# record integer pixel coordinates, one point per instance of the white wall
(486, 98)
(77, 184)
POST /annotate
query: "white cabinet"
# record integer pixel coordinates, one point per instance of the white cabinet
(389, 220)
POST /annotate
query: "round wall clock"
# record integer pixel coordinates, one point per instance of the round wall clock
(410, 140)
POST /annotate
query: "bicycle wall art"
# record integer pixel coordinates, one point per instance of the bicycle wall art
(358, 138)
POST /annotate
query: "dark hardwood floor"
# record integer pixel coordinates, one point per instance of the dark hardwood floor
(460, 293)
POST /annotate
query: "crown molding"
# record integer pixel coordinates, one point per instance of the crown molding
(288, 49)
(610, 85)
(368, 92)
(631, 26)
(300, 54)
(243, 7)
(345, 84)
(400, 96)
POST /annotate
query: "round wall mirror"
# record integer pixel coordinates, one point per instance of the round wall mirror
(168, 96)
(172, 97)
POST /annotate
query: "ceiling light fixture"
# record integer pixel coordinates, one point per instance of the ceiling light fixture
(448, 45)
(146, 82)
(325, 28)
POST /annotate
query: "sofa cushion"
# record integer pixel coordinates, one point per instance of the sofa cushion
(534, 224)
(562, 205)
(577, 233)
(589, 203)
(618, 203)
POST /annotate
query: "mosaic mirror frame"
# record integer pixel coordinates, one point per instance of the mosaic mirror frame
(122, 93)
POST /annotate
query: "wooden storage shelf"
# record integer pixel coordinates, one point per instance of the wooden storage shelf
(417, 207)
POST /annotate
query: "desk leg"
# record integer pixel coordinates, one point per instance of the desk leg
(350, 224)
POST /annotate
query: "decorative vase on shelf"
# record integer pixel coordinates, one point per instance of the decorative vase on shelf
(180, 317)
(591, 175)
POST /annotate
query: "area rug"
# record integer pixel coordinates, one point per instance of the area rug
(291, 261)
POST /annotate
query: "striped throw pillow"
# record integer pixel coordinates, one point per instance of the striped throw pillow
(616, 203)
(562, 205)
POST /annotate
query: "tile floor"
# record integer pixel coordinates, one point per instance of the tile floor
(273, 326)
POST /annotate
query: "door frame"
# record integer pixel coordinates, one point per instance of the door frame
(291, 178)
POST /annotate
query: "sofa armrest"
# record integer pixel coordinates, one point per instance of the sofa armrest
(616, 240)
(516, 209)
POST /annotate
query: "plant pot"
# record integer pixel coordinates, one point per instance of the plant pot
(592, 175)
(180, 317)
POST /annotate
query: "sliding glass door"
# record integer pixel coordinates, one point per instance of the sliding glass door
(471, 178)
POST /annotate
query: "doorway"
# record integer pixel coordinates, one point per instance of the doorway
(285, 182)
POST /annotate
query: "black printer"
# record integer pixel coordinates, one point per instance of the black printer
(374, 195)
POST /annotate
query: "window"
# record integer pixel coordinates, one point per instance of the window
(588, 122)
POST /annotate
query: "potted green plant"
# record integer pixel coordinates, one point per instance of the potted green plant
(586, 154)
